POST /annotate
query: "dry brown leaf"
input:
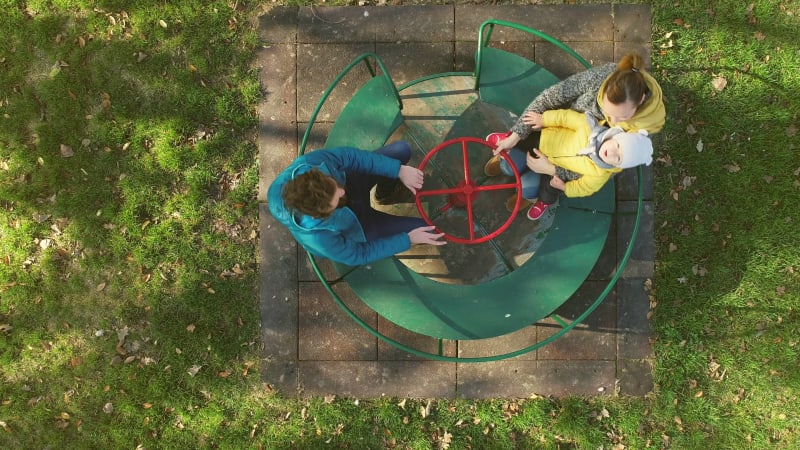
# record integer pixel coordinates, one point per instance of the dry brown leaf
(759, 36)
(190, 328)
(732, 168)
(66, 151)
(719, 83)
(194, 370)
(100, 287)
(690, 129)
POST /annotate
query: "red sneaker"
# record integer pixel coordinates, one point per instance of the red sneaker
(494, 138)
(537, 210)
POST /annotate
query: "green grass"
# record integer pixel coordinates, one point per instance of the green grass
(127, 235)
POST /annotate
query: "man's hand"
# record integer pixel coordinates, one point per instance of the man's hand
(424, 235)
(533, 119)
(411, 177)
(539, 163)
(507, 143)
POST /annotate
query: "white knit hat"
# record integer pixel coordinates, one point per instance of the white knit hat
(635, 149)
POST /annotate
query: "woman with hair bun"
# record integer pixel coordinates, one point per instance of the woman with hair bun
(620, 95)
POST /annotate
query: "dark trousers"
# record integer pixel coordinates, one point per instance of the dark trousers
(378, 224)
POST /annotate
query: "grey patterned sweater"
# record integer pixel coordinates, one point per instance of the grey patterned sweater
(577, 92)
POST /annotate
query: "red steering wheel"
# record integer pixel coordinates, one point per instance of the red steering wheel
(465, 192)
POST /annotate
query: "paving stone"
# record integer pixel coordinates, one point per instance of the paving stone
(640, 263)
(277, 136)
(410, 339)
(628, 182)
(279, 25)
(374, 379)
(632, 23)
(634, 304)
(432, 23)
(634, 345)
(318, 65)
(521, 379)
(410, 61)
(334, 24)
(508, 343)
(306, 273)
(281, 375)
(633, 338)
(606, 264)
(594, 338)
(562, 65)
(587, 23)
(327, 333)
(278, 260)
(634, 377)
(317, 136)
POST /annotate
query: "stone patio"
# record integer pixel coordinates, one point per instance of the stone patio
(310, 346)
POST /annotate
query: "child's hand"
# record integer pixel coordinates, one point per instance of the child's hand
(506, 144)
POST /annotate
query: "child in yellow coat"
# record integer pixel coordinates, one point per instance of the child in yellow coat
(574, 155)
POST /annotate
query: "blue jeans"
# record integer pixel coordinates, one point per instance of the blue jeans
(378, 224)
(530, 179)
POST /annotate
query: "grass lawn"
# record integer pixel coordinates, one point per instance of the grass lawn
(128, 228)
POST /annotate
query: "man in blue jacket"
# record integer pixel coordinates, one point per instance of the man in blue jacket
(323, 199)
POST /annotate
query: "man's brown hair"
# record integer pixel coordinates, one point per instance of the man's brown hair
(627, 83)
(310, 194)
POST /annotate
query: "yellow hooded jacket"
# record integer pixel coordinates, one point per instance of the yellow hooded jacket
(564, 134)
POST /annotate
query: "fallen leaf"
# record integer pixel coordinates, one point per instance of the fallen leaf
(759, 36)
(162, 24)
(66, 151)
(699, 146)
(100, 287)
(190, 328)
(194, 370)
(719, 83)
(732, 168)
(690, 129)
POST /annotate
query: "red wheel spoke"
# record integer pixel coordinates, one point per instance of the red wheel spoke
(453, 190)
(470, 219)
(496, 187)
(465, 160)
